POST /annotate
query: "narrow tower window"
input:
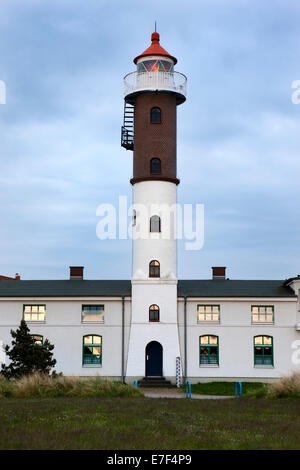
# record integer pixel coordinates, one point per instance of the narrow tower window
(155, 223)
(134, 218)
(155, 166)
(154, 269)
(154, 313)
(155, 115)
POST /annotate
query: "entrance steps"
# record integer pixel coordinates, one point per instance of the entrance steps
(155, 382)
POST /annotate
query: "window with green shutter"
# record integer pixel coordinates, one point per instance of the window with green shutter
(34, 312)
(208, 313)
(92, 313)
(209, 350)
(92, 350)
(37, 340)
(263, 351)
(262, 313)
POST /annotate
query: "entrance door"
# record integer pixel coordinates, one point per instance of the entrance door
(154, 359)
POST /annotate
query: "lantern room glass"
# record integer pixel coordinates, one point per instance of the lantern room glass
(158, 65)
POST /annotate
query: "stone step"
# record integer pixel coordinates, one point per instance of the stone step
(167, 382)
(154, 377)
(165, 386)
(155, 382)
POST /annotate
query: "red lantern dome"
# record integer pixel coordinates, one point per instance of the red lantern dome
(155, 49)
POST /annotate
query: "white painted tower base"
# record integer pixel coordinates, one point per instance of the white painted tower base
(143, 332)
(147, 291)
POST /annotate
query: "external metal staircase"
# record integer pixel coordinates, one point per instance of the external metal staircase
(127, 132)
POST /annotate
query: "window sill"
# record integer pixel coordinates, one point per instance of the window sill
(211, 322)
(91, 366)
(38, 322)
(93, 322)
(263, 367)
(263, 323)
(209, 366)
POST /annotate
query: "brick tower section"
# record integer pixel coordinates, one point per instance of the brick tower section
(154, 140)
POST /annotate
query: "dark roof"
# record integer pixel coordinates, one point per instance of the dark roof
(117, 288)
(233, 288)
(68, 288)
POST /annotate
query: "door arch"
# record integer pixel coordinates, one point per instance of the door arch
(154, 359)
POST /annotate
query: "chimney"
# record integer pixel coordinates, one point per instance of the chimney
(218, 272)
(76, 272)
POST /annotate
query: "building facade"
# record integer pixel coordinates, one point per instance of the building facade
(217, 329)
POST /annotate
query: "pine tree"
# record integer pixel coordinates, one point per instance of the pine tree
(26, 357)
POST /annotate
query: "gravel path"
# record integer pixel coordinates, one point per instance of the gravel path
(174, 393)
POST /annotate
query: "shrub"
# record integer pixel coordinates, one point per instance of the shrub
(26, 357)
(38, 385)
(286, 387)
(259, 392)
(6, 387)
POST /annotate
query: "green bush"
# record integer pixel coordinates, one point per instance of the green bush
(26, 357)
(6, 387)
(259, 392)
(227, 388)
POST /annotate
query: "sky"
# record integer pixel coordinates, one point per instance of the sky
(63, 63)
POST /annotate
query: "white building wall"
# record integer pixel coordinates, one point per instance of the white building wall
(236, 336)
(63, 328)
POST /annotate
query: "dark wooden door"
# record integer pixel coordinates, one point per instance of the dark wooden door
(154, 359)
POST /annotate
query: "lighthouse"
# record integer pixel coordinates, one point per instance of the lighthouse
(151, 96)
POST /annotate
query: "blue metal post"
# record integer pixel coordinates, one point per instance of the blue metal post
(136, 383)
(188, 389)
(236, 388)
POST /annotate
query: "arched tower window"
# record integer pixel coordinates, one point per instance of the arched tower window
(154, 269)
(155, 166)
(154, 313)
(155, 115)
(155, 223)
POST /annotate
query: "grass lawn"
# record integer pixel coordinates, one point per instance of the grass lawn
(226, 388)
(145, 423)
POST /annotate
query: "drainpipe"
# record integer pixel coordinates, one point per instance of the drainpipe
(123, 326)
(185, 343)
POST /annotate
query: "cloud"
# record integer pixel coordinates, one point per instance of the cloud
(238, 139)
